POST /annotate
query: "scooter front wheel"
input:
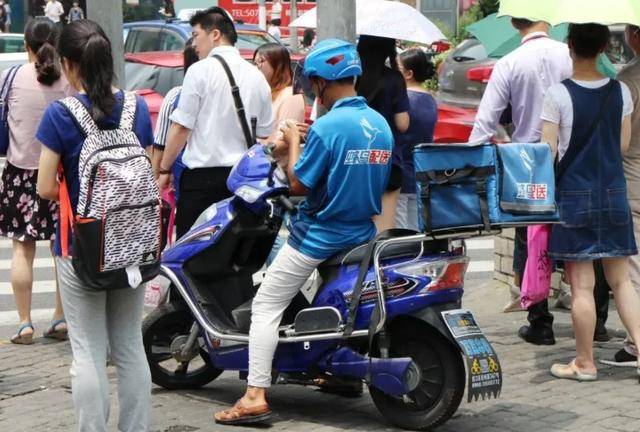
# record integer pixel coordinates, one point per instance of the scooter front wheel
(441, 388)
(164, 332)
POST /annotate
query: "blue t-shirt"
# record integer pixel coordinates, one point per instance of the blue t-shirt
(423, 114)
(345, 165)
(58, 132)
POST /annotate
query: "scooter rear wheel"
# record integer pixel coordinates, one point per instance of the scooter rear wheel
(163, 330)
(441, 388)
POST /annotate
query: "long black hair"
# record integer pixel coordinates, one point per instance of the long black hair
(84, 43)
(417, 61)
(41, 36)
(376, 53)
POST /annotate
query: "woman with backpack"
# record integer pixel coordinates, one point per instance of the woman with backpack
(24, 217)
(97, 318)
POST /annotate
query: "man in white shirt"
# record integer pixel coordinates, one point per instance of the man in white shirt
(206, 117)
(273, 30)
(54, 10)
(276, 13)
(522, 79)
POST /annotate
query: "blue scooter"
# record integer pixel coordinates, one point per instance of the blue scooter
(385, 313)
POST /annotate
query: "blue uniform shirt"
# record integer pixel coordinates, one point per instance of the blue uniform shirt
(345, 165)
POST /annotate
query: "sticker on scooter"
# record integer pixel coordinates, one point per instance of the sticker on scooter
(484, 372)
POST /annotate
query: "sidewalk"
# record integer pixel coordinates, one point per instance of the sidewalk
(35, 393)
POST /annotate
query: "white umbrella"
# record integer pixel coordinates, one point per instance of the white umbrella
(385, 18)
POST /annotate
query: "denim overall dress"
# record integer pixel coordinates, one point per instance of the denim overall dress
(591, 193)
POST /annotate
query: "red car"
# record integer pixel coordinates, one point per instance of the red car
(153, 74)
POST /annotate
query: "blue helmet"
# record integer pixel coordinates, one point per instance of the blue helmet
(333, 59)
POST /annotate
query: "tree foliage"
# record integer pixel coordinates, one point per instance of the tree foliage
(146, 10)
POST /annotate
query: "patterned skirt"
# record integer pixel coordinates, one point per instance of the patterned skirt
(23, 214)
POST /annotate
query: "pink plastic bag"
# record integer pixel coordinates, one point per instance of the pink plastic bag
(536, 281)
(156, 290)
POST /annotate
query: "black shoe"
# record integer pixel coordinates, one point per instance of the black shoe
(601, 334)
(537, 336)
(345, 387)
(622, 359)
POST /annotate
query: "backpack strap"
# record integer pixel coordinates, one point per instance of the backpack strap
(80, 115)
(7, 84)
(66, 213)
(129, 110)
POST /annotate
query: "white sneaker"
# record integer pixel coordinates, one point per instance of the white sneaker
(563, 300)
(514, 303)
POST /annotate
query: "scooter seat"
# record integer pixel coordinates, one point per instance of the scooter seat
(356, 254)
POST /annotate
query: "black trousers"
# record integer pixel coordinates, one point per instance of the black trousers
(199, 189)
(539, 315)
(601, 295)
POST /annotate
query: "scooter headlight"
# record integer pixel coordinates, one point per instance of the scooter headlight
(206, 216)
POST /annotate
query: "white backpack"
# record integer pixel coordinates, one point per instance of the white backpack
(118, 230)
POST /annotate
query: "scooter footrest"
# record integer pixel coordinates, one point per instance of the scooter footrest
(317, 320)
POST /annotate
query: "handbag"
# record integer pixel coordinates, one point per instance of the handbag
(4, 109)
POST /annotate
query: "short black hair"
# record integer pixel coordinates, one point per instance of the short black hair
(522, 23)
(216, 18)
(417, 61)
(588, 40)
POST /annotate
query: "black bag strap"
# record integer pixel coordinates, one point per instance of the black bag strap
(481, 174)
(237, 100)
(481, 191)
(574, 151)
(362, 273)
(425, 198)
(6, 87)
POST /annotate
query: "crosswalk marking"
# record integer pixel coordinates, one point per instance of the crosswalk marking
(477, 244)
(480, 266)
(5, 264)
(11, 317)
(7, 243)
(39, 287)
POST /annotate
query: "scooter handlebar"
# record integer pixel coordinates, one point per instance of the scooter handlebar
(286, 203)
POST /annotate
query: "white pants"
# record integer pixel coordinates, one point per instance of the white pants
(97, 319)
(407, 212)
(284, 279)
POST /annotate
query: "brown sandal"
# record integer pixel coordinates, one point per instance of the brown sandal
(239, 415)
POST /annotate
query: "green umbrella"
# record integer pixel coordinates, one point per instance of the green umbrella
(574, 11)
(500, 38)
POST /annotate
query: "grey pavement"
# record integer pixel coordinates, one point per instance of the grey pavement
(35, 394)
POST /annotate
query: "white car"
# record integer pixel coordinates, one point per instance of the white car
(12, 50)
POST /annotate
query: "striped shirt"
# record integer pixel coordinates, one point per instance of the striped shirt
(164, 123)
